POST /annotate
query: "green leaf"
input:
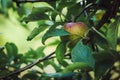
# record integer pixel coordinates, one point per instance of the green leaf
(112, 34)
(59, 75)
(4, 4)
(35, 32)
(38, 13)
(103, 55)
(104, 61)
(60, 51)
(11, 49)
(1, 48)
(73, 10)
(68, 71)
(43, 4)
(54, 32)
(82, 53)
(101, 67)
(40, 51)
(31, 75)
(3, 59)
(45, 23)
(102, 42)
(76, 65)
(30, 56)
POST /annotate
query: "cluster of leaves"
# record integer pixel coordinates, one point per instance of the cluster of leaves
(97, 54)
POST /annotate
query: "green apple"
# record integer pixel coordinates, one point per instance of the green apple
(77, 30)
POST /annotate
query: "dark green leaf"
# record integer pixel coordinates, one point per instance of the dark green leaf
(112, 34)
(104, 61)
(82, 53)
(102, 42)
(1, 48)
(29, 56)
(38, 13)
(11, 49)
(35, 32)
(54, 32)
(76, 7)
(31, 75)
(101, 67)
(3, 59)
(60, 51)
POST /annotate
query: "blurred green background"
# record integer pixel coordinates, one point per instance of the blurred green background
(12, 29)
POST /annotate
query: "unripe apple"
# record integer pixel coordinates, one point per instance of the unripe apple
(78, 30)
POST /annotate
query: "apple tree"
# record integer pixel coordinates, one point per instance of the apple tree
(87, 44)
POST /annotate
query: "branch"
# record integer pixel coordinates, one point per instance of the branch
(110, 13)
(31, 1)
(24, 1)
(31, 65)
(28, 66)
(87, 7)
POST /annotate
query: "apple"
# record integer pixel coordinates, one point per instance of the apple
(77, 30)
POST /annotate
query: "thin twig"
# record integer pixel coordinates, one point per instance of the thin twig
(28, 66)
(106, 17)
(31, 65)
(87, 7)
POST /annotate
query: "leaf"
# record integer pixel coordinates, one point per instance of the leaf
(73, 10)
(82, 53)
(35, 32)
(103, 55)
(59, 75)
(38, 13)
(101, 67)
(54, 32)
(1, 48)
(40, 51)
(68, 71)
(43, 4)
(104, 61)
(4, 4)
(102, 42)
(45, 23)
(60, 51)
(3, 59)
(112, 34)
(76, 65)
(11, 49)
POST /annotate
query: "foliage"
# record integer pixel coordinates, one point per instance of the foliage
(98, 52)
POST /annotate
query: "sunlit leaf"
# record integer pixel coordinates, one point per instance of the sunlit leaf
(112, 34)
(42, 4)
(54, 32)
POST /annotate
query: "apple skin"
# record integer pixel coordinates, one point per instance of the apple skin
(77, 31)
(76, 28)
